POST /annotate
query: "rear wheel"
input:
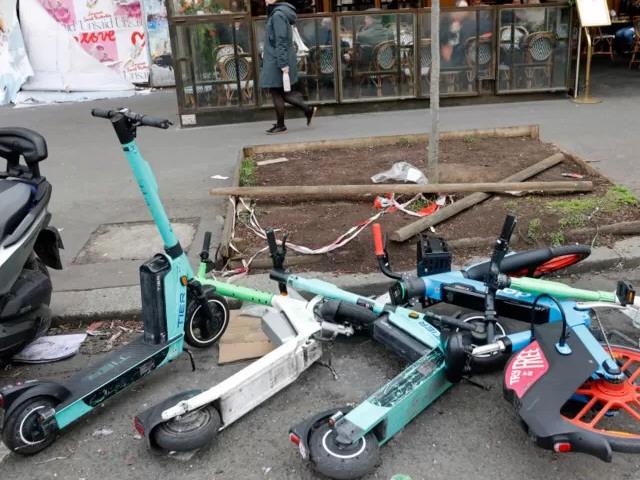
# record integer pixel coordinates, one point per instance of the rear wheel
(190, 431)
(23, 431)
(611, 409)
(342, 462)
(200, 331)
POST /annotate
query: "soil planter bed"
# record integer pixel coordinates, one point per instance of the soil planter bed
(471, 156)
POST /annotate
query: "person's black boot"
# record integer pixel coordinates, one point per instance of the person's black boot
(310, 114)
(276, 129)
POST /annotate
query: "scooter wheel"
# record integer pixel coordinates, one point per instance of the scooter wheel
(188, 432)
(199, 330)
(342, 462)
(23, 432)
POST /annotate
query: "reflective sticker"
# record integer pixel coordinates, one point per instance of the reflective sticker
(525, 369)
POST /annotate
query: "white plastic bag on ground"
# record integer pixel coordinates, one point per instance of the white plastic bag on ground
(401, 172)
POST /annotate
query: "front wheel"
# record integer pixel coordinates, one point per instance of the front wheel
(342, 462)
(200, 330)
(23, 431)
(188, 432)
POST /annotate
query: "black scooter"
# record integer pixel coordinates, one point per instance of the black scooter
(28, 244)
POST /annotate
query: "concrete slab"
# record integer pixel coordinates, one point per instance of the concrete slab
(131, 241)
(628, 249)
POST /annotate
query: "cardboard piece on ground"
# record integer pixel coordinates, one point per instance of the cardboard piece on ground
(243, 340)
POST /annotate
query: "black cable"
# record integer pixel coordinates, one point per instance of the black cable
(563, 335)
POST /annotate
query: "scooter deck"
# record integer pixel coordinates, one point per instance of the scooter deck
(118, 370)
(539, 381)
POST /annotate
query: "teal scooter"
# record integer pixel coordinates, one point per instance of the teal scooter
(177, 306)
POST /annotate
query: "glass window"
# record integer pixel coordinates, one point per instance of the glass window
(216, 66)
(208, 7)
(466, 51)
(376, 55)
(534, 45)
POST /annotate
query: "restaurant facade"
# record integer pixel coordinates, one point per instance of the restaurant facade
(353, 52)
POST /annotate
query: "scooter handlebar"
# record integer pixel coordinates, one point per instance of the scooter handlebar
(377, 239)
(139, 119)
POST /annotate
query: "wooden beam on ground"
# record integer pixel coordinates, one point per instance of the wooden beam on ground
(332, 192)
(621, 228)
(408, 231)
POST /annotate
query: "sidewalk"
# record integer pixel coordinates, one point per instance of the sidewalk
(93, 184)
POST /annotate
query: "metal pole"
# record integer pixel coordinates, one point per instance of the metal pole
(434, 94)
(575, 90)
(587, 98)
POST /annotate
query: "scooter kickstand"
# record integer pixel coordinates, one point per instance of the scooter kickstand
(476, 384)
(327, 364)
(193, 362)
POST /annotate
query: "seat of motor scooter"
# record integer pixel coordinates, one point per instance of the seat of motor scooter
(15, 203)
(26, 143)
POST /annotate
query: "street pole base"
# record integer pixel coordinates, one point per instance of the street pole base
(587, 100)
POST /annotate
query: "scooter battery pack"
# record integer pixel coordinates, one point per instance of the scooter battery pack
(154, 314)
(399, 342)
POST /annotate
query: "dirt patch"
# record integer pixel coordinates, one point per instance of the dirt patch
(543, 219)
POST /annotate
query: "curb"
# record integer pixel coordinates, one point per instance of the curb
(84, 306)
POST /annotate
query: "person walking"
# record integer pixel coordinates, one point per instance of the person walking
(279, 58)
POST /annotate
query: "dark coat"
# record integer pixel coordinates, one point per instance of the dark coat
(278, 46)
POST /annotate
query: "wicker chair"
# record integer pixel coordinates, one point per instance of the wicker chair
(384, 65)
(635, 50)
(232, 70)
(539, 48)
(322, 65)
(479, 56)
(602, 43)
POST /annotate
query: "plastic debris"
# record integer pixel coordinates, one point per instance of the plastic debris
(401, 172)
(219, 177)
(102, 432)
(51, 348)
(573, 175)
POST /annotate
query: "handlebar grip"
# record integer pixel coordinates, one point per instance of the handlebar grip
(377, 239)
(206, 244)
(508, 227)
(154, 122)
(101, 113)
(336, 311)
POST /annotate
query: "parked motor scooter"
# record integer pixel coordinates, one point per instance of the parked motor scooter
(28, 244)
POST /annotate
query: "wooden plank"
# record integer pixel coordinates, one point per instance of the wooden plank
(408, 231)
(332, 192)
(531, 131)
(620, 228)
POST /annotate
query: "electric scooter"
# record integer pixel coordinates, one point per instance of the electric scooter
(175, 308)
(190, 420)
(343, 443)
(28, 243)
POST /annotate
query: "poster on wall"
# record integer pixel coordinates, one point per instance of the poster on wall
(15, 67)
(161, 65)
(112, 31)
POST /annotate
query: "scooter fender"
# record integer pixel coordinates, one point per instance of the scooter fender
(149, 419)
(303, 429)
(47, 247)
(15, 395)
